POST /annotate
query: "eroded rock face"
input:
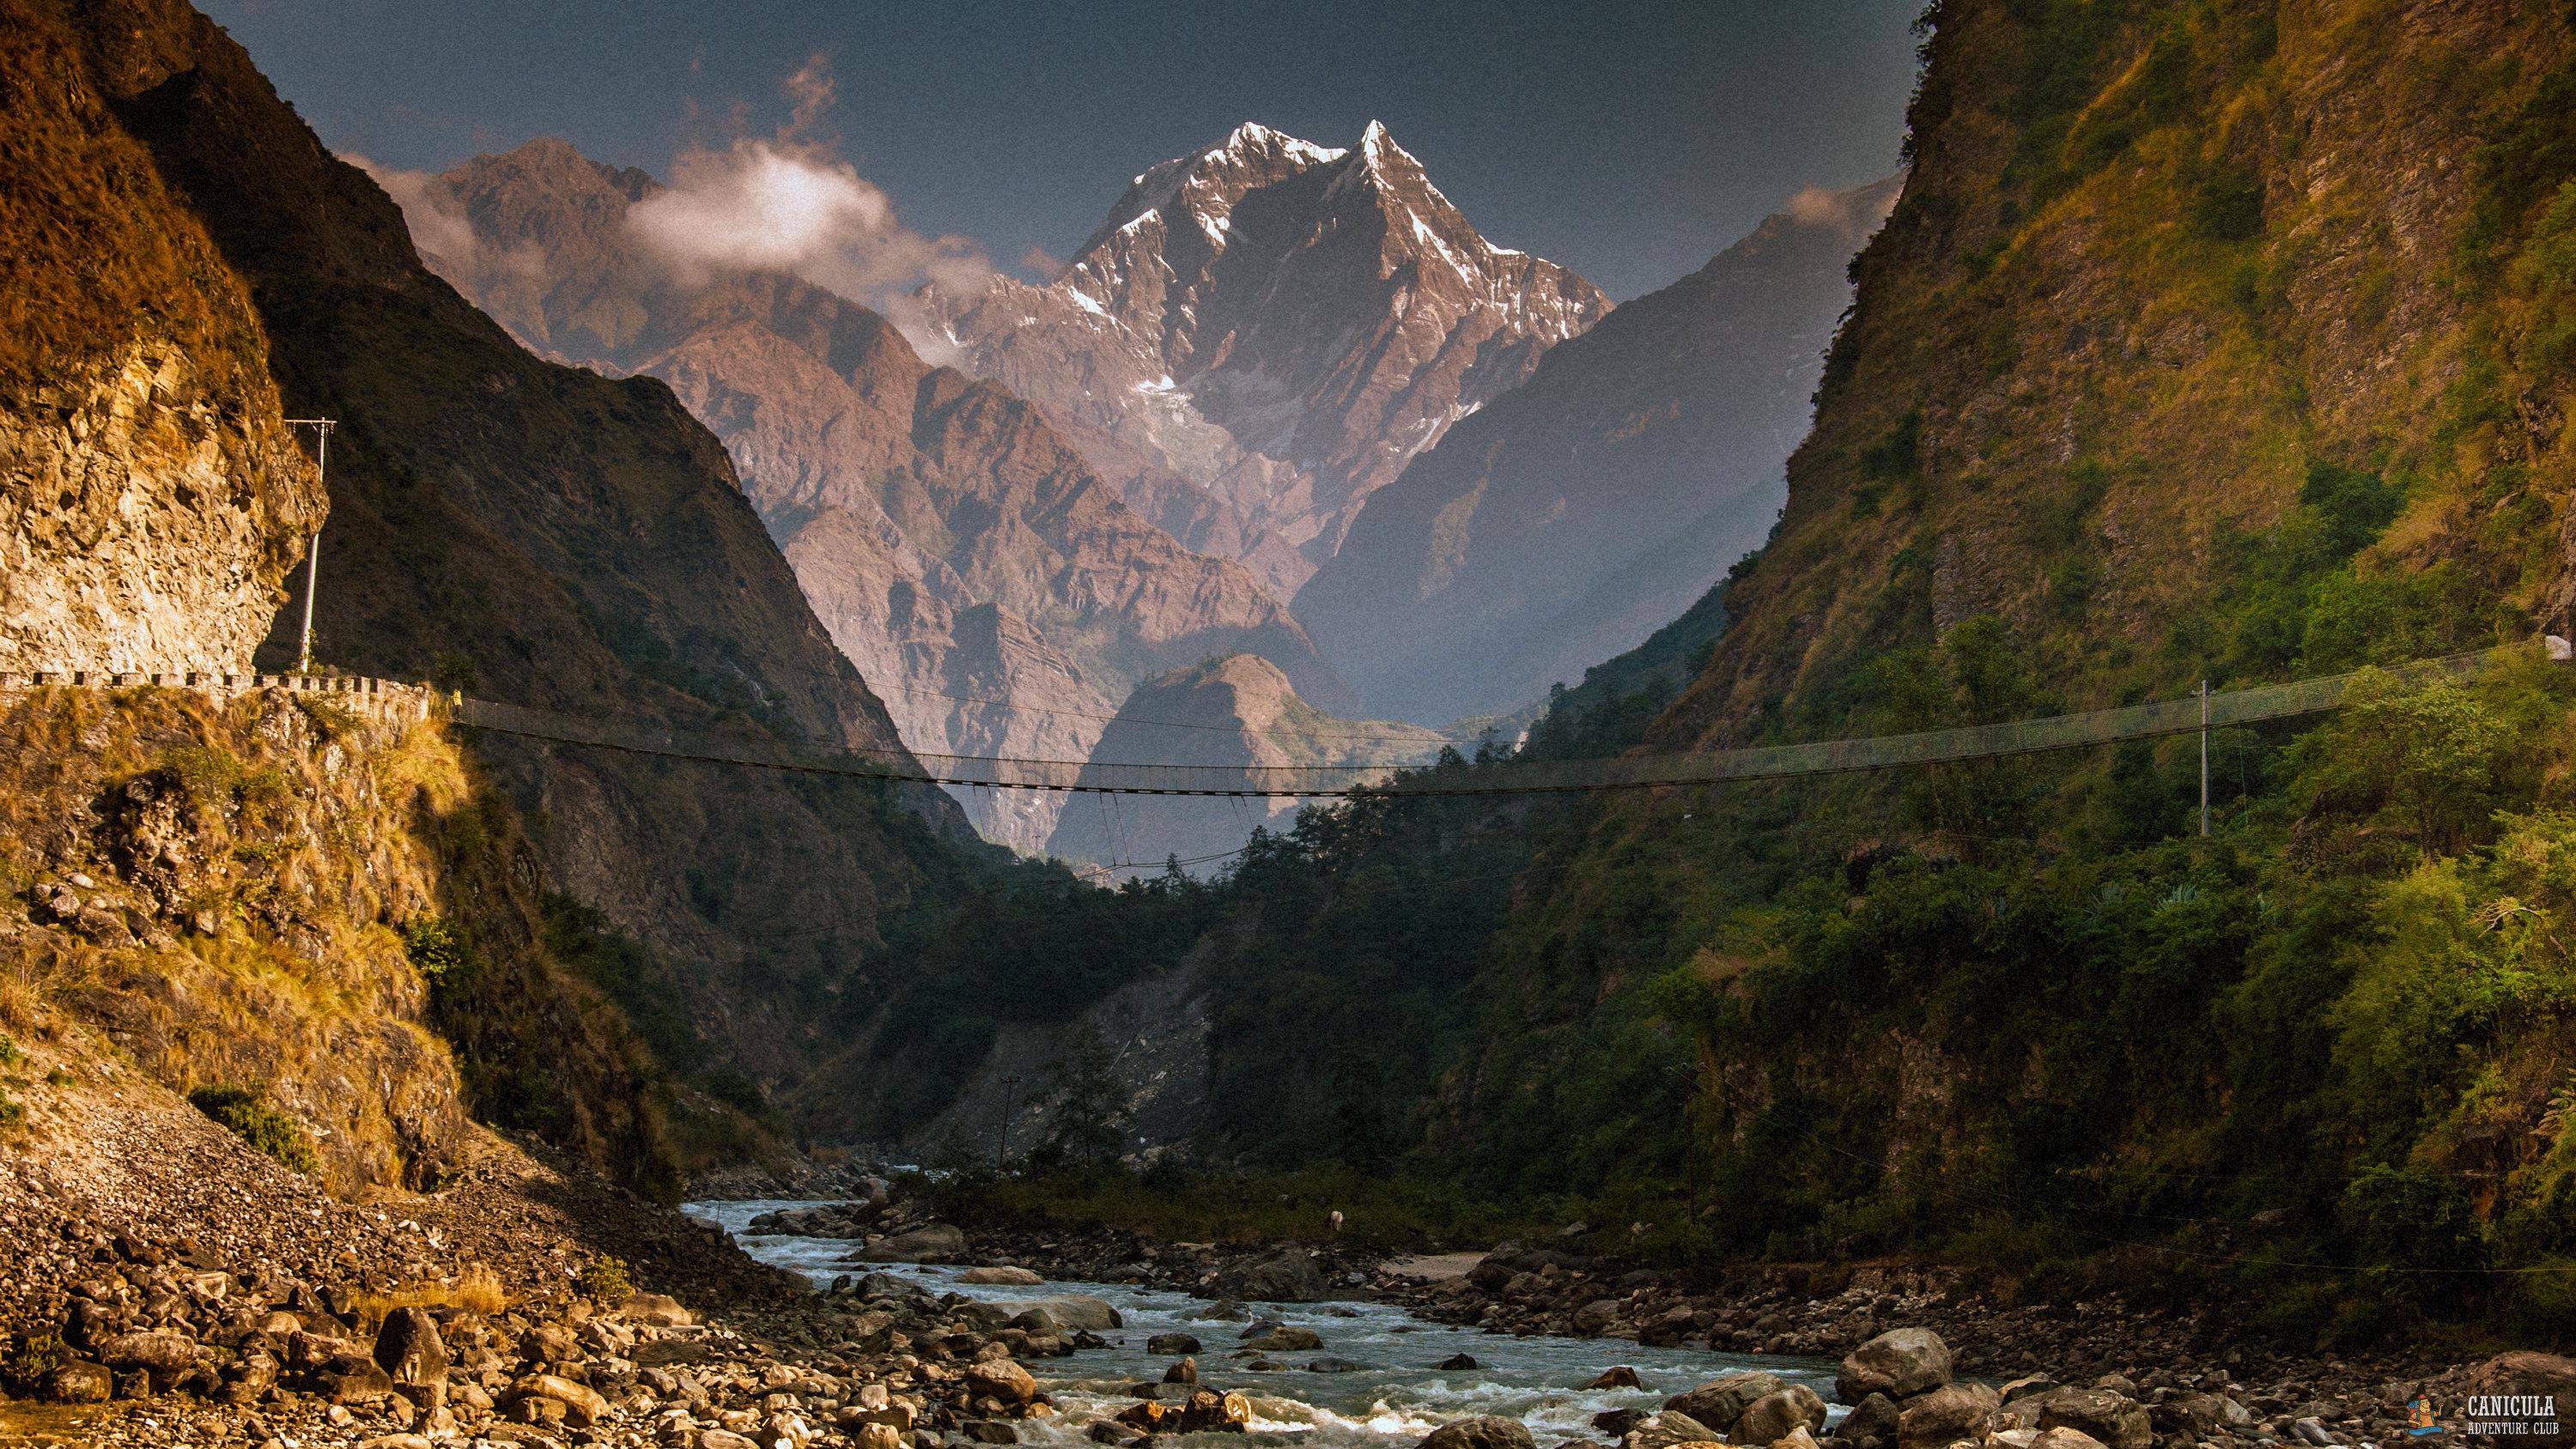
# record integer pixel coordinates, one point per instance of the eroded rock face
(1263, 332)
(151, 500)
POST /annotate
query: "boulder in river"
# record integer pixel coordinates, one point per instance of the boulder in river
(1000, 1277)
(1287, 1276)
(1619, 1376)
(1184, 1372)
(1072, 1310)
(1721, 1401)
(1900, 1363)
(1171, 1345)
(1946, 1415)
(1003, 1378)
(1482, 1432)
(1331, 1365)
(1870, 1425)
(930, 1243)
(1664, 1430)
(1287, 1339)
(2119, 1421)
(1458, 1363)
(1774, 1417)
(1205, 1413)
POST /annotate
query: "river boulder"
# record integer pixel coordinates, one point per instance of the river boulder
(1072, 1310)
(1171, 1345)
(1870, 1425)
(1205, 1413)
(1900, 1364)
(930, 1243)
(1000, 1277)
(1287, 1276)
(1774, 1417)
(1287, 1339)
(1721, 1401)
(1947, 1414)
(1666, 1430)
(1482, 1432)
(1003, 1378)
(2119, 1421)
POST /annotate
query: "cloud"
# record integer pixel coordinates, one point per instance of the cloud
(788, 203)
(445, 237)
(1040, 263)
(1815, 206)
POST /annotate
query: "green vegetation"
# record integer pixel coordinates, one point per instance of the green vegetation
(433, 947)
(604, 1278)
(32, 1359)
(245, 1112)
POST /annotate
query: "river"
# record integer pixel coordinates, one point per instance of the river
(1396, 1397)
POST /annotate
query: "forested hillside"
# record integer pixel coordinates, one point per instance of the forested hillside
(2219, 341)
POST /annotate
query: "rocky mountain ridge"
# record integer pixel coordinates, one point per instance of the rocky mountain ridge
(1594, 503)
(1263, 332)
(997, 592)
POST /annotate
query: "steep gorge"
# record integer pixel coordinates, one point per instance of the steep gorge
(2208, 341)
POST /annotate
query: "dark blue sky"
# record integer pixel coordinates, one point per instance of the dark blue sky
(1627, 140)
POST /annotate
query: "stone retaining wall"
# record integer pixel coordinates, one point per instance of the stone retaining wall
(387, 698)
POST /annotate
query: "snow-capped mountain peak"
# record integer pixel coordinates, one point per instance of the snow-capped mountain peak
(1322, 314)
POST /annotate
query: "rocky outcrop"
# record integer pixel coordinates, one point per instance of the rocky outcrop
(992, 587)
(1577, 513)
(1234, 712)
(246, 874)
(151, 500)
(1261, 334)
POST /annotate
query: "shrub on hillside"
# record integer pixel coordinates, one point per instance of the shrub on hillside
(245, 1112)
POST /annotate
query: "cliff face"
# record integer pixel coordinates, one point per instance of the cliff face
(1575, 514)
(545, 535)
(998, 592)
(151, 500)
(2150, 270)
(2216, 342)
(1261, 334)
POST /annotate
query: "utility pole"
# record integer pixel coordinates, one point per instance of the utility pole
(2204, 759)
(1002, 1147)
(313, 561)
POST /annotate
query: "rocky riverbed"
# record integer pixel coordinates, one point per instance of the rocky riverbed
(2154, 1379)
(164, 1285)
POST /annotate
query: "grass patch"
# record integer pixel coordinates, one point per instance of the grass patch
(478, 1290)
